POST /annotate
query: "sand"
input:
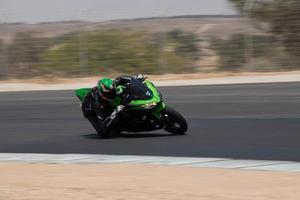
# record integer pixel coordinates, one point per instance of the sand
(21, 181)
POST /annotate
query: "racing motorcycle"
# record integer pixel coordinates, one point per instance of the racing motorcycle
(146, 112)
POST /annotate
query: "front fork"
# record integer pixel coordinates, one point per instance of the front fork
(159, 116)
(156, 112)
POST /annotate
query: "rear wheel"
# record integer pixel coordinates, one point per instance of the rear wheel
(175, 122)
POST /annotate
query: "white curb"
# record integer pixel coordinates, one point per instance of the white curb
(224, 163)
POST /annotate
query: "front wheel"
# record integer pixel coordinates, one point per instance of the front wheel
(175, 123)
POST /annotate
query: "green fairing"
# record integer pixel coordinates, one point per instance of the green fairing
(155, 98)
(136, 104)
(156, 111)
(81, 93)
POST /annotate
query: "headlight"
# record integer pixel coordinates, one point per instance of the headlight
(149, 105)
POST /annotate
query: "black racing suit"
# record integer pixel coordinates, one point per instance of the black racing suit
(99, 111)
(95, 109)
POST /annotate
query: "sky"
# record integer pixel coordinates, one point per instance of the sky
(33, 11)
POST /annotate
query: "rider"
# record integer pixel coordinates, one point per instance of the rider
(96, 106)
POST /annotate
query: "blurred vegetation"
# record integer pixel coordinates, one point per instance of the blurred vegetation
(283, 18)
(103, 52)
(2, 60)
(266, 53)
(186, 43)
(24, 54)
(272, 44)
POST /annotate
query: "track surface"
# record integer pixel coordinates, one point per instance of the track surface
(253, 121)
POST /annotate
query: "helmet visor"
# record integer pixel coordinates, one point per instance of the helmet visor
(105, 89)
(108, 95)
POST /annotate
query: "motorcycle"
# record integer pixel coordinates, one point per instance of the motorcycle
(145, 112)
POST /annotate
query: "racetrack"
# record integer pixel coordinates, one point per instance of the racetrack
(248, 121)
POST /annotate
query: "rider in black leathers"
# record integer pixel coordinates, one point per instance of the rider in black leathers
(96, 106)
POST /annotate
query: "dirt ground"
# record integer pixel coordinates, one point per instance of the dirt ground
(165, 77)
(19, 181)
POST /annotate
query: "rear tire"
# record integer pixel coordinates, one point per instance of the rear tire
(176, 124)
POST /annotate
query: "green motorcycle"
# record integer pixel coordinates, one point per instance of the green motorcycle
(146, 111)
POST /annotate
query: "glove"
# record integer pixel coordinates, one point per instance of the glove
(140, 77)
(119, 108)
(120, 89)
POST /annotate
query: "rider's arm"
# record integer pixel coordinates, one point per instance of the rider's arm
(123, 80)
(121, 85)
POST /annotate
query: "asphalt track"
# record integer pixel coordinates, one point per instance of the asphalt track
(248, 121)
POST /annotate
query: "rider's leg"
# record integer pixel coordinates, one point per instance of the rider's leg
(114, 116)
(112, 119)
(90, 114)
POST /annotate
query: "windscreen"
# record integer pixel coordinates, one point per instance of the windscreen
(139, 89)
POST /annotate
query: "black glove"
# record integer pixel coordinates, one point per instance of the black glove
(141, 77)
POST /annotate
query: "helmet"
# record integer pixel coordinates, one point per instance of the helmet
(106, 88)
(105, 85)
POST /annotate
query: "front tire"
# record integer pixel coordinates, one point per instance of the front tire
(175, 122)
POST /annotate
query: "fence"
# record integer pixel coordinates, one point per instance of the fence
(185, 44)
